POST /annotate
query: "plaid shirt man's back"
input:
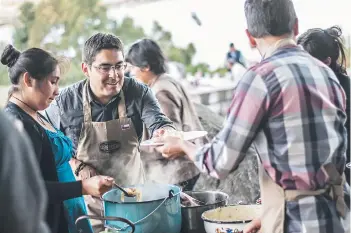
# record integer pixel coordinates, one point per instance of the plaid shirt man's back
(291, 109)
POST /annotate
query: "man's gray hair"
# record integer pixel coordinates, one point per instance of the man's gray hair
(270, 17)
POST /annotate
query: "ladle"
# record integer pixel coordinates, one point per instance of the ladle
(128, 194)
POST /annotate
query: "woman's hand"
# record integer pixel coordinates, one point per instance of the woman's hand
(97, 185)
(253, 227)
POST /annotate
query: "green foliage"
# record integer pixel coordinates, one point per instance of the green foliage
(127, 30)
(4, 78)
(202, 67)
(27, 18)
(173, 53)
(62, 27)
(222, 71)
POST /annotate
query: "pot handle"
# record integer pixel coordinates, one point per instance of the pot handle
(170, 195)
(108, 219)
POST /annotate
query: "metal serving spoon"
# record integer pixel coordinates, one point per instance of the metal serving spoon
(128, 194)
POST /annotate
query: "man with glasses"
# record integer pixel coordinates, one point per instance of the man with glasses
(104, 116)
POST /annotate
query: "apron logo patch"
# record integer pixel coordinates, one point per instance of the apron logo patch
(109, 146)
(125, 126)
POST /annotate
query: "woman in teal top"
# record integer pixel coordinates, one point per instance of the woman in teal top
(35, 74)
(62, 148)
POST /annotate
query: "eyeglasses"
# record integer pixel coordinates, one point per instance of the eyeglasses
(106, 69)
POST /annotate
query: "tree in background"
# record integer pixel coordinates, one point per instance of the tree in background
(26, 18)
(3, 69)
(61, 27)
(173, 53)
(127, 30)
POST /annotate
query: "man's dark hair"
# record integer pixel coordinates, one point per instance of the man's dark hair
(145, 53)
(98, 42)
(270, 17)
(231, 45)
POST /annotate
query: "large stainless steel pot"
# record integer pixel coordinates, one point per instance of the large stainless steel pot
(191, 216)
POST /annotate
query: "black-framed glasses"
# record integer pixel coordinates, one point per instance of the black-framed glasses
(106, 69)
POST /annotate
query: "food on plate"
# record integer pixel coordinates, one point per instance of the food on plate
(169, 133)
(132, 191)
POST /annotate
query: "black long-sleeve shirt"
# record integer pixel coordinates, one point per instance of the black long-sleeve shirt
(22, 192)
(57, 191)
(66, 112)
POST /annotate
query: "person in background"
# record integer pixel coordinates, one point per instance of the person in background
(234, 56)
(291, 108)
(237, 72)
(104, 116)
(326, 45)
(148, 66)
(22, 192)
(35, 75)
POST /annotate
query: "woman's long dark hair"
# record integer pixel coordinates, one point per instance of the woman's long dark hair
(322, 44)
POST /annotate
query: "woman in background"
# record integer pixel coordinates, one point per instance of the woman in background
(326, 45)
(148, 65)
(35, 75)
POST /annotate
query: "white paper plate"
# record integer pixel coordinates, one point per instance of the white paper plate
(188, 136)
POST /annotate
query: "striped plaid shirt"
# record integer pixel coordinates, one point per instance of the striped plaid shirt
(291, 109)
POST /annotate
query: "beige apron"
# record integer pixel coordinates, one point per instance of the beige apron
(274, 197)
(111, 148)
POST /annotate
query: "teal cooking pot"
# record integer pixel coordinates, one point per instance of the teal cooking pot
(158, 211)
